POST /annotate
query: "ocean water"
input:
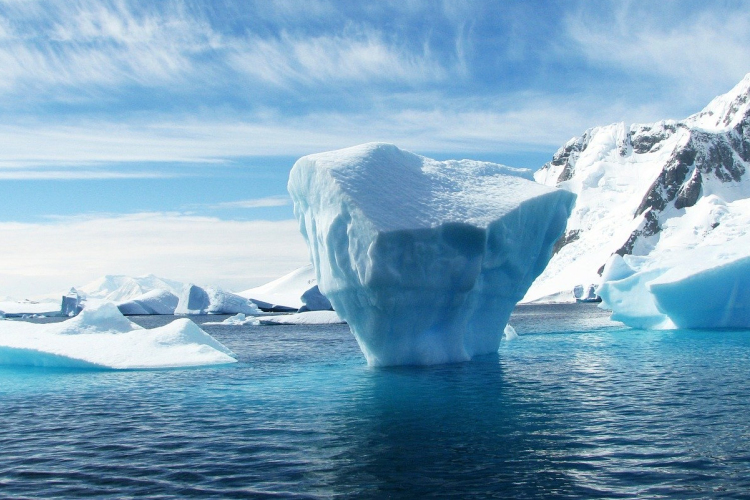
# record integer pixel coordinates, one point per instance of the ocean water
(576, 407)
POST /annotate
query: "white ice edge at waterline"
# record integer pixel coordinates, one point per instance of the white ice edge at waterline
(101, 337)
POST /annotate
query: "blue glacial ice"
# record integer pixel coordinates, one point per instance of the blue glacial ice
(424, 259)
(697, 276)
(707, 292)
(101, 337)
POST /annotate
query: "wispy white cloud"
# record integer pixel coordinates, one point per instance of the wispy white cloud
(268, 201)
(88, 46)
(361, 57)
(692, 51)
(518, 122)
(97, 44)
(76, 174)
(44, 257)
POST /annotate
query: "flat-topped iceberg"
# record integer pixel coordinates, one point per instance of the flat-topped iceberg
(424, 259)
(101, 337)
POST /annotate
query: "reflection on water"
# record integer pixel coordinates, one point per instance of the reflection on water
(575, 407)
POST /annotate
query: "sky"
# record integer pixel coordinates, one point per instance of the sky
(156, 137)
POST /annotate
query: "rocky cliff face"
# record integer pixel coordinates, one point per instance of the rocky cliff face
(633, 180)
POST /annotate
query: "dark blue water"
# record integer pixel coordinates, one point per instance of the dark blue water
(576, 407)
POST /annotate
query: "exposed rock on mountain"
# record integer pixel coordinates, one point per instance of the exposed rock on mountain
(632, 181)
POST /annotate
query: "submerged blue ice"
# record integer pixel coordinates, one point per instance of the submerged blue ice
(424, 259)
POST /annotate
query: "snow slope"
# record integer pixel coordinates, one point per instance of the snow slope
(424, 259)
(637, 184)
(101, 337)
(291, 292)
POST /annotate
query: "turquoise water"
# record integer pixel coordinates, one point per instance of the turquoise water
(576, 407)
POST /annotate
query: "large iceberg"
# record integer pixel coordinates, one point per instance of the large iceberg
(209, 300)
(101, 337)
(424, 259)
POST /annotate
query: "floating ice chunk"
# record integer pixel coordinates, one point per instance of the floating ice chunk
(153, 302)
(209, 300)
(632, 303)
(424, 259)
(303, 318)
(102, 337)
(236, 320)
(509, 333)
(718, 297)
(586, 293)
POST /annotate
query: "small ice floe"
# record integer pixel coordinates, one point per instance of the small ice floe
(303, 318)
(101, 337)
(236, 320)
(509, 333)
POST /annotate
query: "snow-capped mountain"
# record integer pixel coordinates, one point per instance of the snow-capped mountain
(638, 185)
(118, 288)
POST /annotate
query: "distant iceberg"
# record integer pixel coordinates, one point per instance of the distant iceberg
(72, 303)
(197, 300)
(424, 259)
(101, 337)
(296, 291)
(236, 320)
(153, 302)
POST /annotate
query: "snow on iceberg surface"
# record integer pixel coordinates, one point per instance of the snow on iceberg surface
(101, 337)
(424, 259)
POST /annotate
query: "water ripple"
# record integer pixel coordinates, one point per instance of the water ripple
(577, 407)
